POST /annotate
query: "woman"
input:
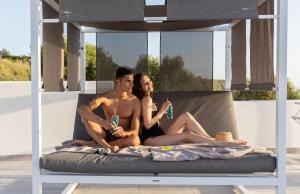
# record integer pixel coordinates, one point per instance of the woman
(184, 129)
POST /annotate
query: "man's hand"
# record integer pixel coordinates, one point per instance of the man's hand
(119, 132)
(106, 124)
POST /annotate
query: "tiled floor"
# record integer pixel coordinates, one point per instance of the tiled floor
(15, 178)
(142, 189)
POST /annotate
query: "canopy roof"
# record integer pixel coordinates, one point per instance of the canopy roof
(134, 15)
(177, 15)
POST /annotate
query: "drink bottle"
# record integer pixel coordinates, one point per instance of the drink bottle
(170, 112)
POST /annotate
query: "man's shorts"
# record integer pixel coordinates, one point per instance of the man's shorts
(110, 137)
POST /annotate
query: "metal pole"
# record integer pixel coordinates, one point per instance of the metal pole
(82, 61)
(35, 6)
(228, 61)
(281, 94)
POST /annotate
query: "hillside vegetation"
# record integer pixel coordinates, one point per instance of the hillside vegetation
(17, 68)
(14, 70)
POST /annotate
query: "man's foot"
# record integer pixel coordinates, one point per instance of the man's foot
(114, 148)
(74, 142)
(79, 142)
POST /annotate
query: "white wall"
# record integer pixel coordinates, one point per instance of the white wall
(257, 122)
(256, 119)
(58, 113)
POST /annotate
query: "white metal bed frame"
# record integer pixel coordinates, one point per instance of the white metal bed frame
(39, 177)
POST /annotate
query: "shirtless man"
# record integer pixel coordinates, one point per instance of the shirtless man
(119, 101)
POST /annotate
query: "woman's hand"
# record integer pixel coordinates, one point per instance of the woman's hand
(164, 107)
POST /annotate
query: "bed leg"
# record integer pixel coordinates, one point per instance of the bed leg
(280, 189)
(241, 189)
(70, 188)
(36, 187)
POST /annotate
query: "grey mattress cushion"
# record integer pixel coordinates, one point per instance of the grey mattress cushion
(95, 163)
(214, 110)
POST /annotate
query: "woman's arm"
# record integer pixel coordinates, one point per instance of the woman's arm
(147, 113)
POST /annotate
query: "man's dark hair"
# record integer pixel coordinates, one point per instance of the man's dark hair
(122, 71)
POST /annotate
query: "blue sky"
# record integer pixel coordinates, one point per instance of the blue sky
(15, 35)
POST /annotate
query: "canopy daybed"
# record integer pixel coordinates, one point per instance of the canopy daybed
(215, 112)
(175, 15)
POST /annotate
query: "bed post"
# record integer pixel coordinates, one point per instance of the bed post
(82, 60)
(228, 60)
(281, 94)
(35, 6)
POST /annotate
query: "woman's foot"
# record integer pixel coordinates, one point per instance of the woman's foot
(237, 142)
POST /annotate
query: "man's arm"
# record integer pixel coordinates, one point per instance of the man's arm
(135, 120)
(86, 112)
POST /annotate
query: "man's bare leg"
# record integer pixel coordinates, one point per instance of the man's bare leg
(98, 135)
(131, 140)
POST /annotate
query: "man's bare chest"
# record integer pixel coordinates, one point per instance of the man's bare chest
(121, 107)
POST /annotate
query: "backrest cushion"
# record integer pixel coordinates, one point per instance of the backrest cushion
(213, 110)
(79, 129)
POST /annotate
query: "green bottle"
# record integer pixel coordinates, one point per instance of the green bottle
(170, 112)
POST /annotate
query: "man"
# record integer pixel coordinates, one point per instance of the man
(118, 101)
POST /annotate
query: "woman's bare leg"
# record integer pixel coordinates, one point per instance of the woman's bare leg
(194, 138)
(186, 120)
(173, 139)
(170, 139)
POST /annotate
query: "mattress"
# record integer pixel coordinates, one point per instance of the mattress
(106, 164)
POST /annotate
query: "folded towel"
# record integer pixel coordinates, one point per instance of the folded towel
(196, 151)
(137, 151)
(79, 149)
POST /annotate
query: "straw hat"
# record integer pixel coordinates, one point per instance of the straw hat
(227, 136)
(224, 136)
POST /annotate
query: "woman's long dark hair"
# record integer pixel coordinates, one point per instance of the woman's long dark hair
(137, 89)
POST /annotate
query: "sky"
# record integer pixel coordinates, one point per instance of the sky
(15, 36)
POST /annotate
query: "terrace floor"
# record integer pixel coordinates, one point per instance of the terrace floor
(15, 178)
